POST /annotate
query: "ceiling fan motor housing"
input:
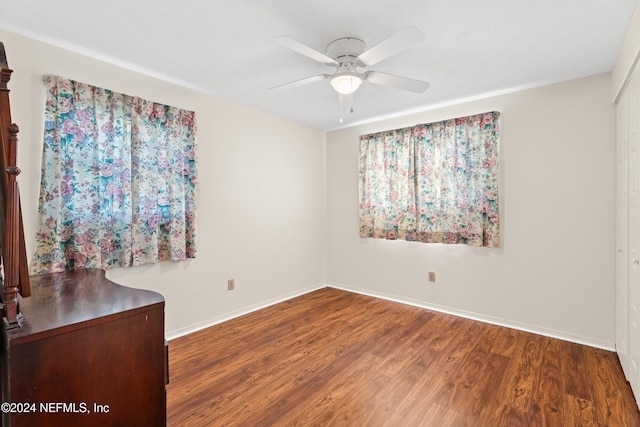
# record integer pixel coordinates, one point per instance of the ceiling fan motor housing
(346, 50)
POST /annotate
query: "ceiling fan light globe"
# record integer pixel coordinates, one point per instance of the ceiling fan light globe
(346, 83)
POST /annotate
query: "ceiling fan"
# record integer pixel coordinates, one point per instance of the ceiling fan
(349, 54)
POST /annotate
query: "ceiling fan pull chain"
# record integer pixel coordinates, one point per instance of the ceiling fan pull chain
(340, 105)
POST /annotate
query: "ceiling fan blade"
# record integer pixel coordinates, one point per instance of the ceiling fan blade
(304, 50)
(405, 83)
(297, 83)
(398, 42)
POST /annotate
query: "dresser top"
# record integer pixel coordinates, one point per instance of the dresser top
(70, 300)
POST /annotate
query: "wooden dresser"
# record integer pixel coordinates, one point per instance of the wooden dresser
(90, 353)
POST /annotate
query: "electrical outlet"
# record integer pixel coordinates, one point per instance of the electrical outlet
(432, 276)
(231, 285)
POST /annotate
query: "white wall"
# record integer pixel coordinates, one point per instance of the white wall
(261, 195)
(555, 271)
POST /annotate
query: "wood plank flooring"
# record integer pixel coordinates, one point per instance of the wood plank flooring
(334, 358)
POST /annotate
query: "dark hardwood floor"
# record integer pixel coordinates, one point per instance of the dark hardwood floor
(334, 358)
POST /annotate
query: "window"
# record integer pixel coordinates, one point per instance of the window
(118, 181)
(432, 183)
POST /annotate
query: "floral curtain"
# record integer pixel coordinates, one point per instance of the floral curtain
(432, 183)
(118, 182)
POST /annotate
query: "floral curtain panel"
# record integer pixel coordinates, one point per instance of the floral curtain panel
(432, 183)
(118, 181)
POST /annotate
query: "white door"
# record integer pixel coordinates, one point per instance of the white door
(622, 234)
(634, 233)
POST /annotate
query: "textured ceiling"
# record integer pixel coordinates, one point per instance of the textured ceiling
(225, 48)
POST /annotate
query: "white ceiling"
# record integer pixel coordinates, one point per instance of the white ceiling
(225, 47)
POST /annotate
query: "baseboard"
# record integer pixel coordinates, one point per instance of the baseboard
(232, 315)
(482, 318)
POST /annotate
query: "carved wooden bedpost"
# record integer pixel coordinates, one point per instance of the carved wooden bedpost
(12, 246)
